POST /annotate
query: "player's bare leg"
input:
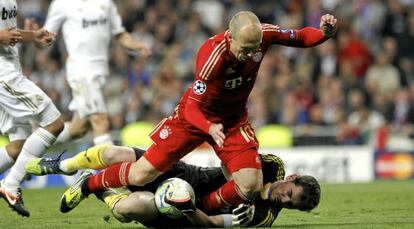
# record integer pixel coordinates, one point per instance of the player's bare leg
(9, 153)
(249, 180)
(246, 183)
(118, 175)
(35, 146)
(97, 157)
(100, 127)
(76, 128)
(142, 172)
(138, 206)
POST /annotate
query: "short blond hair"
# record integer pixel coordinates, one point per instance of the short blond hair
(242, 20)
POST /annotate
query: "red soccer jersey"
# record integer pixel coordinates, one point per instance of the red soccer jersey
(222, 83)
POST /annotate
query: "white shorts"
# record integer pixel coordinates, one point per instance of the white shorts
(22, 102)
(19, 131)
(88, 95)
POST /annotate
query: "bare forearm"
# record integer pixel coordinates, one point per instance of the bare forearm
(126, 41)
(200, 219)
(41, 37)
(27, 35)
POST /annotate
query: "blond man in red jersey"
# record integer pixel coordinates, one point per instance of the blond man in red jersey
(214, 110)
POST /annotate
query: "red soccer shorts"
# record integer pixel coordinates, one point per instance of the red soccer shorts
(174, 138)
(240, 149)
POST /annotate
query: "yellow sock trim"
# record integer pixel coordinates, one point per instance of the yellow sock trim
(88, 159)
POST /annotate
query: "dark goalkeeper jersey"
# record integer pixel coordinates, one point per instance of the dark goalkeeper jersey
(266, 213)
(205, 180)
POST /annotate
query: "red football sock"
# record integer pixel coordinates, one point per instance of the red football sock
(114, 176)
(228, 195)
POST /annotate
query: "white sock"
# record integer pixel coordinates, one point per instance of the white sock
(64, 136)
(35, 146)
(5, 160)
(63, 167)
(103, 139)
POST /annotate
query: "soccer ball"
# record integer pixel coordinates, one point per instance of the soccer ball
(176, 189)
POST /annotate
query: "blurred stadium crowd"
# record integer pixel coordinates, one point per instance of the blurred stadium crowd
(343, 90)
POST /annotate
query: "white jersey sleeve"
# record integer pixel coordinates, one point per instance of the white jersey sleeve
(115, 20)
(9, 55)
(56, 16)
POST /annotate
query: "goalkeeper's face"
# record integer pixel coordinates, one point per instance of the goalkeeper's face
(285, 194)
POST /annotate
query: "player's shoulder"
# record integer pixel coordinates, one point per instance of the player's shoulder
(270, 27)
(64, 4)
(273, 168)
(217, 40)
(270, 31)
(215, 45)
(271, 159)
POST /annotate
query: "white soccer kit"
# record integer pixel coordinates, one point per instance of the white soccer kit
(21, 101)
(87, 27)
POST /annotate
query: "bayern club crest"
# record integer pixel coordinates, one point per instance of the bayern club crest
(165, 132)
(257, 57)
(199, 87)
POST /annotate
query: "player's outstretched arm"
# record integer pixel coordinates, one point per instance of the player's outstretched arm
(307, 36)
(127, 41)
(33, 33)
(240, 217)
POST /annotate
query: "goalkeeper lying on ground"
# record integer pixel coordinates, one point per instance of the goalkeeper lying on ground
(296, 192)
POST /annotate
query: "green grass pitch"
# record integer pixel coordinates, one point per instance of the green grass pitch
(381, 204)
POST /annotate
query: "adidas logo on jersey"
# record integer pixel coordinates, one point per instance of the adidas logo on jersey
(8, 14)
(86, 23)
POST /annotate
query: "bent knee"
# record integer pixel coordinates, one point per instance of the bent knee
(110, 156)
(124, 208)
(135, 207)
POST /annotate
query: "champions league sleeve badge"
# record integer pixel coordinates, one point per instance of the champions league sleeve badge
(257, 57)
(199, 87)
(290, 31)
